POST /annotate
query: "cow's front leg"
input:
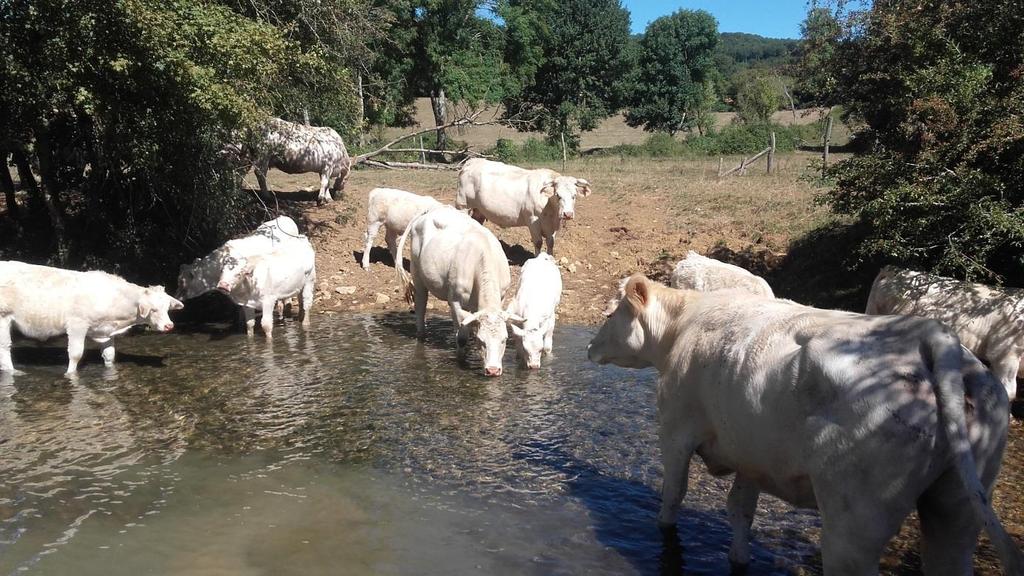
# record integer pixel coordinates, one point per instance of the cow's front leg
(324, 197)
(267, 321)
(371, 232)
(107, 352)
(461, 332)
(536, 236)
(676, 452)
(6, 365)
(76, 347)
(549, 337)
(550, 241)
(391, 238)
(741, 506)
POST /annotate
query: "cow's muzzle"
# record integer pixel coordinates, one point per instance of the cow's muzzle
(492, 371)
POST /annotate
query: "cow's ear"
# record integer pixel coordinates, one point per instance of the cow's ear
(518, 331)
(176, 304)
(583, 186)
(469, 319)
(548, 189)
(638, 291)
(514, 319)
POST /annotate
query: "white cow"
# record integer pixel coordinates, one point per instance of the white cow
(456, 259)
(202, 274)
(393, 209)
(512, 196)
(260, 280)
(44, 302)
(989, 321)
(696, 272)
(296, 148)
(861, 417)
(540, 290)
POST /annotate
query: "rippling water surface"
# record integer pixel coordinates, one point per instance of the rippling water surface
(349, 449)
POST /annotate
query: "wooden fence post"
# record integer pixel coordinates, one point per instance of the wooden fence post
(826, 138)
(720, 167)
(771, 154)
(423, 153)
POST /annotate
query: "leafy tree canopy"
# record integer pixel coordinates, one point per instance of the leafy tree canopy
(675, 65)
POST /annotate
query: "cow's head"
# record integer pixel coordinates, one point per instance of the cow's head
(153, 306)
(529, 337)
(622, 338)
(489, 329)
(565, 189)
(236, 270)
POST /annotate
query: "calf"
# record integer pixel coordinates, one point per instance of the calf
(861, 417)
(511, 196)
(260, 280)
(458, 260)
(540, 290)
(44, 302)
(696, 272)
(393, 209)
(989, 321)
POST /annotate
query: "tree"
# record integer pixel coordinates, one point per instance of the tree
(125, 107)
(815, 67)
(757, 98)
(675, 61)
(585, 69)
(938, 85)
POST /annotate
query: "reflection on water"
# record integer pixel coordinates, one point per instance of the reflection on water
(353, 449)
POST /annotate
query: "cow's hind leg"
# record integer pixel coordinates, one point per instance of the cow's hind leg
(1006, 372)
(267, 321)
(536, 236)
(371, 232)
(856, 525)
(949, 531)
(76, 347)
(741, 506)
(249, 319)
(307, 302)
(6, 365)
(419, 300)
(391, 238)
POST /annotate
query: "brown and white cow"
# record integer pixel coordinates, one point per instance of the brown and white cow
(696, 272)
(394, 210)
(259, 281)
(862, 417)
(456, 259)
(511, 196)
(295, 149)
(44, 302)
(989, 321)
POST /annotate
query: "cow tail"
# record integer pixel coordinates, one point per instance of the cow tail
(947, 363)
(404, 282)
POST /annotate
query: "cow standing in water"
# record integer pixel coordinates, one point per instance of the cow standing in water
(863, 417)
(44, 302)
(295, 149)
(458, 260)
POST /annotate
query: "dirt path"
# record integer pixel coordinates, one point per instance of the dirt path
(642, 217)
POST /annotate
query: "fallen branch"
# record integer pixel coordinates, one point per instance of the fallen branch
(411, 165)
(464, 121)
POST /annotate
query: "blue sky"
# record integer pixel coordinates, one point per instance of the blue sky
(771, 18)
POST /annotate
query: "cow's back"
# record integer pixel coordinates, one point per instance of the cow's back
(786, 390)
(696, 272)
(446, 246)
(504, 194)
(42, 299)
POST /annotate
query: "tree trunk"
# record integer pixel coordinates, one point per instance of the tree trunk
(361, 119)
(50, 193)
(7, 183)
(439, 104)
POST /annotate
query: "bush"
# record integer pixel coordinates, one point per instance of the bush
(532, 150)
